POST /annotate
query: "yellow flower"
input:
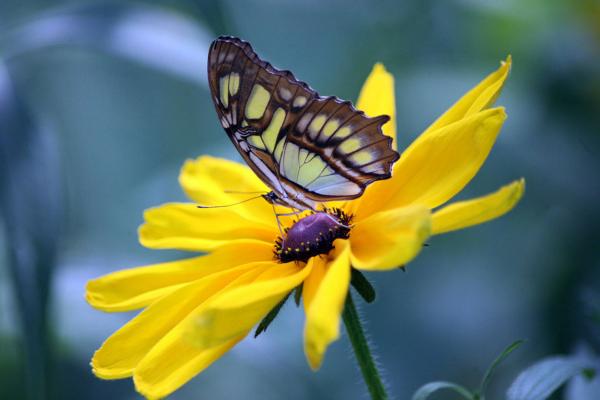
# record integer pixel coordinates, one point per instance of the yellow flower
(195, 310)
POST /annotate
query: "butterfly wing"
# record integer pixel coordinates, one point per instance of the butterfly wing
(299, 143)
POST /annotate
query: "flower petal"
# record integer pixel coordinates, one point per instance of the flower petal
(389, 239)
(377, 97)
(437, 165)
(183, 226)
(479, 98)
(159, 378)
(184, 352)
(325, 304)
(216, 181)
(237, 310)
(121, 352)
(476, 211)
(313, 280)
(138, 287)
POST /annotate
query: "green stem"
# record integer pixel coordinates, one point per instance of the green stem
(362, 352)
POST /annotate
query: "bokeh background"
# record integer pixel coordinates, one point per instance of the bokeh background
(101, 103)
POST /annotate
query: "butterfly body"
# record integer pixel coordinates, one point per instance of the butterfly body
(307, 148)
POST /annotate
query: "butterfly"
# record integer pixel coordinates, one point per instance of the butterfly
(306, 148)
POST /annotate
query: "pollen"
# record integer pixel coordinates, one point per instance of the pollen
(313, 235)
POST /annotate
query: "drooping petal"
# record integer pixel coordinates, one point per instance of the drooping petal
(237, 310)
(324, 305)
(121, 352)
(213, 181)
(135, 288)
(313, 280)
(377, 97)
(479, 98)
(476, 211)
(156, 381)
(192, 345)
(389, 239)
(437, 165)
(183, 226)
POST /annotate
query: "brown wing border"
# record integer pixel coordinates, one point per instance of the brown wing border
(366, 179)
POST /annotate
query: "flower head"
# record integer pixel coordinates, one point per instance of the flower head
(196, 309)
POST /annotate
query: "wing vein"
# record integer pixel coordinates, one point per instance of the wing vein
(339, 107)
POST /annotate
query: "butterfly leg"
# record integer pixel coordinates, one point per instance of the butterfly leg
(277, 215)
(277, 219)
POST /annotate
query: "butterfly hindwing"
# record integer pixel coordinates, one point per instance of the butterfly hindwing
(297, 142)
(346, 150)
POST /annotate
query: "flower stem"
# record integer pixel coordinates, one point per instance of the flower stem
(362, 352)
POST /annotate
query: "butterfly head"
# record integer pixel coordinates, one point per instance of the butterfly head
(272, 198)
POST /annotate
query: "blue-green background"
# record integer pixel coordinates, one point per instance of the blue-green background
(101, 102)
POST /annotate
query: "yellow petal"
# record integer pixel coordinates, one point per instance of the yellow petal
(159, 378)
(185, 227)
(237, 310)
(182, 353)
(138, 287)
(214, 181)
(437, 165)
(389, 239)
(313, 280)
(476, 211)
(479, 98)
(121, 352)
(377, 97)
(325, 306)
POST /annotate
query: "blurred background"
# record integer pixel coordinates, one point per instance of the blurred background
(101, 103)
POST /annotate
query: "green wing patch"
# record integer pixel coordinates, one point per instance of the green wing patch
(299, 143)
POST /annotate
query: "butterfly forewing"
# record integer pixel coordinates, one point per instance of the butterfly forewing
(300, 144)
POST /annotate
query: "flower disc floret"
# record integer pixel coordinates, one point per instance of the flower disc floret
(313, 235)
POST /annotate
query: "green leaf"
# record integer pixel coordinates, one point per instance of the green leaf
(584, 387)
(298, 294)
(270, 317)
(362, 286)
(492, 368)
(541, 379)
(589, 373)
(587, 385)
(426, 390)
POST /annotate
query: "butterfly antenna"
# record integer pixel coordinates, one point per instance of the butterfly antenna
(232, 204)
(277, 219)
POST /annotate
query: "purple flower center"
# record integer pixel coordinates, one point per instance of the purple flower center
(312, 235)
